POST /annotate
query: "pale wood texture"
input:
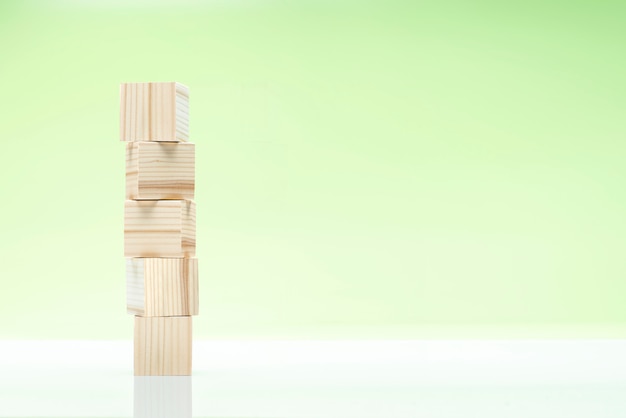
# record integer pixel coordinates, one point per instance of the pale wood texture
(163, 346)
(160, 170)
(154, 112)
(162, 286)
(160, 228)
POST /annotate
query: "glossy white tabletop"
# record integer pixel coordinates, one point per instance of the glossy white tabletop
(321, 379)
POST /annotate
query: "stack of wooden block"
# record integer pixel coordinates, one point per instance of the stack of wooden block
(159, 225)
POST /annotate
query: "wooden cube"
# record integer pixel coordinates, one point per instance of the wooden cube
(160, 170)
(154, 112)
(162, 286)
(163, 346)
(160, 228)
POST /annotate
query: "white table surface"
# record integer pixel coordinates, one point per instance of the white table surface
(321, 379)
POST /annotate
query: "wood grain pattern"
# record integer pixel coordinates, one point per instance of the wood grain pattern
(163, 346)
(160, 170)
(154, 112)
(160, 228)
(162, 286)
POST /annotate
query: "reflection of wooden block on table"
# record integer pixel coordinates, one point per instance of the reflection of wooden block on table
(160, 228)
(160, 170)
(162, 397)
(154, 112)
(163, 346)
(162, 286)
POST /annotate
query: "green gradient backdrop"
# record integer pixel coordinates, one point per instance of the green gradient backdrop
(364, 169)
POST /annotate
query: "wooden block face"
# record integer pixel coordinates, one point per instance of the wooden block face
(163, 346)
(160, 228)
(162, 286)
(154, 112)
(135, 286)
(160, 170)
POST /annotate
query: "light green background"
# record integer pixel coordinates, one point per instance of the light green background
(364, 169)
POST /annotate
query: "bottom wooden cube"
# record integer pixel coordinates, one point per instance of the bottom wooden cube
(163, 346)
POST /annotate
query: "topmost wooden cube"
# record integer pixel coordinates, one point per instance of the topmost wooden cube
(154, 112)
